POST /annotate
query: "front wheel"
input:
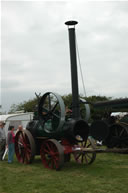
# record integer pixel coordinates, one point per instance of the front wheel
(24, 147)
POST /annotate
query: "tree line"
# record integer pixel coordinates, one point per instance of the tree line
(31, 104)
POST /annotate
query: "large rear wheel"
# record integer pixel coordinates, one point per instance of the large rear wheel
(52, 154)
(118, 136)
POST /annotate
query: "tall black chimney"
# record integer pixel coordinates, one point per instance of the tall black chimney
(74, 76)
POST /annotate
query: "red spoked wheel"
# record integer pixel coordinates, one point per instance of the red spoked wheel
(52, 154)
(85, 157)
(24, 147)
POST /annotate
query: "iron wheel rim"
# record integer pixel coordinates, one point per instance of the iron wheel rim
(52, 154)
(24, 147)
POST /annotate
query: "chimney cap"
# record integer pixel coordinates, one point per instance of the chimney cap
(71, 22)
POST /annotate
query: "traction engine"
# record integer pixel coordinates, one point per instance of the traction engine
(57, 132)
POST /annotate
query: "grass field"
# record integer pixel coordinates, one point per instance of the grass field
(107, 174)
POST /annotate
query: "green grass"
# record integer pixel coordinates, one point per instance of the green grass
(107, 174)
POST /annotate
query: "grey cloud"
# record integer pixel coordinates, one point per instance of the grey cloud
(35, 48)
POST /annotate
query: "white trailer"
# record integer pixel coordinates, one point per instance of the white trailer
(16, 120)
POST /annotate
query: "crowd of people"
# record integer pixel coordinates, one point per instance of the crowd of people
(7, 143)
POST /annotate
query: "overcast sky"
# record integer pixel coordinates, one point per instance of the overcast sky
(35, 48)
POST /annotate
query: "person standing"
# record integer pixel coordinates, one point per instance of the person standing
(2, 140)
(20, 128)
(11, 144)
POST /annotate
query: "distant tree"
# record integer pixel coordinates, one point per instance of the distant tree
(92, 99)
(67, 100)
(26, 106)
(98, 98)
(30, 105)
(97, 113)
(14, 108)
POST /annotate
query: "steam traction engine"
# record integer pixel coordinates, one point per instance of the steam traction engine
(111, 130)
(53, 134)
(57, 132)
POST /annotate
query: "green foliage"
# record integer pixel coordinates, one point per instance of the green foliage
(27, 106)
(30, 105)
(15, 108)
(94, 98)
(67, 100)
(97, 113)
